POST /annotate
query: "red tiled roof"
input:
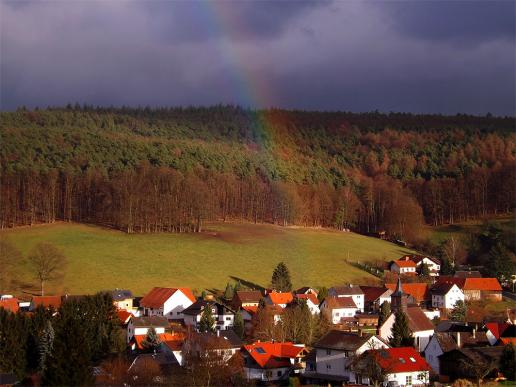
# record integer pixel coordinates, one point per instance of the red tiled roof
(123, 316)
(157, 296)
(10, 304)
(163, 337)
(497, 328)
(281, 298)
(372, 293)
(403, 263)
(489, 284)
(47, 301)
(273, 355)
(403, 359)
(340, 302)
(310, 296)
(417, 290)
(250, 309)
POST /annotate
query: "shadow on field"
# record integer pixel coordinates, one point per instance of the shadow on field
(247, 284)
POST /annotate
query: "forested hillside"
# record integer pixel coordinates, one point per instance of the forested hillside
(145, 170)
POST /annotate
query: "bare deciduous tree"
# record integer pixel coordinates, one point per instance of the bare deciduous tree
(48, 263)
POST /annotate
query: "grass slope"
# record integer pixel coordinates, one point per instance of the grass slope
(105, 259)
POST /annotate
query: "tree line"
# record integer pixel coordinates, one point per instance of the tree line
(144, 170)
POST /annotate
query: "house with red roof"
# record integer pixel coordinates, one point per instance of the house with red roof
(311, 301)
(433, 264)
(339, 309)
(375, 296)
(445, 295)
(273, 361)
(403, 265)
(418, 291)
(167, 302)
(401, 366)
(482, 289)
(140, 326)
(10, 304)
(281, 299)
(350, 290)
(500, 332)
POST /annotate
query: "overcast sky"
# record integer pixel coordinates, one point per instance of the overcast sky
(435, 56)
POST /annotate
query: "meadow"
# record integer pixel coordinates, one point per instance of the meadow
(100, 258)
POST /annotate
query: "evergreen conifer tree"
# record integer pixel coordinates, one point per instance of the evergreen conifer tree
(508, 362)
(229, 292)
(46, 344)
(401, 334)
(207, 323)
(152, 340)
(385, 312)
(281, 278)
(459, 311)
(238, 325)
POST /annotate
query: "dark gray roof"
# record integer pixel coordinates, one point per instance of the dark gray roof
(229, 337)
(340, 340)
(198, 306)
(121, 294)
(441, 288)
(346, 290)
(150, 321)
(453, 326)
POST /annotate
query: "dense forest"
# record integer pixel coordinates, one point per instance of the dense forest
(170, 169)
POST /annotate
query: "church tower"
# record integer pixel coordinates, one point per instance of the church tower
(399, 300)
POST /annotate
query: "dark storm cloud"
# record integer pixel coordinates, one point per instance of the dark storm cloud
(403, 56)
(460, 22)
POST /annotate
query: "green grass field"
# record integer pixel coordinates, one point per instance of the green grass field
(105, 259)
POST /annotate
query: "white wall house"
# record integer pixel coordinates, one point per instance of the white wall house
(402, 366)
(433, 265)
(167, 302)
(403, 267)
(272, 361)
(337, 349)
(352, 291)
(224, 317)
(337, 308)
(141, 325)
(446, 295)
(311, 301)
(421, 327)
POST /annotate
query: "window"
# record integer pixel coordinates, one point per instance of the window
(328, 366)
(408, 380)
(279, 373)
(421, 376)
(228, 318)
(328, 352)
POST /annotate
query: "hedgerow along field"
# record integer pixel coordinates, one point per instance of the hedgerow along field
(100, 258)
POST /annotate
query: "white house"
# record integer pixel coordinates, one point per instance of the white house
(442, 342)
(433, 264)
(421, 327)
(139, 326)
(402, 366)
(336, 350)
(272, 361)
(167, 302)
(445, 295)
(353, 291)
(335, 309)
(404, 266)
(224, 317)
(375, 296)
(311, 301)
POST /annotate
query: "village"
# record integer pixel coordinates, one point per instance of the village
(404, 333)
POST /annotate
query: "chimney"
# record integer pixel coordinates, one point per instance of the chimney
(218, 333)
(459, 344)
(474, 333)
